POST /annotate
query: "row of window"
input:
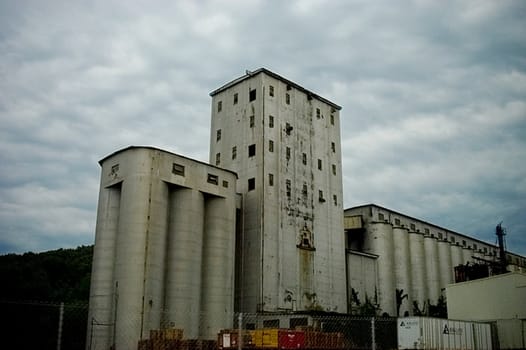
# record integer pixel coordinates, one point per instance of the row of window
(252, 97)
(288, 186)
(179, 169)
(440, 235)
(252, 153)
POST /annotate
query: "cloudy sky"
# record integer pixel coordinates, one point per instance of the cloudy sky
(433, 96)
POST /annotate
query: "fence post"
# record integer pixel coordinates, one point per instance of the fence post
(240, 328)
(60, 320)
(373, 335)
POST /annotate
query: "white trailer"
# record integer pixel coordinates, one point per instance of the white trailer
(441, 334)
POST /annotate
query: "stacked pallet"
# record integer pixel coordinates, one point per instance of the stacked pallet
(172, 339)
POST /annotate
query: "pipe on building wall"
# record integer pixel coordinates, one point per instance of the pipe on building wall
(184, 261)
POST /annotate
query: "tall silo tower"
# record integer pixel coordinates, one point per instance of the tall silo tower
(283, 141)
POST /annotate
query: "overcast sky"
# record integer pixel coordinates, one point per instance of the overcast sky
(433, 96)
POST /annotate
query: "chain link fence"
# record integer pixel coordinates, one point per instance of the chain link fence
(39, 325)
(43, 325)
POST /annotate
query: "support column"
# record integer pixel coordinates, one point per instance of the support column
(418, 270)
(432, 268)
(402, 267)
(100, 318)
(131, 257)
(217, 292)
(155, 268)
(184, 261)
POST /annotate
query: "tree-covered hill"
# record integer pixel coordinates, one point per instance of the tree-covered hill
(61, 275)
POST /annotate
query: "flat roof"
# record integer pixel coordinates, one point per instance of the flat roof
(250, 74)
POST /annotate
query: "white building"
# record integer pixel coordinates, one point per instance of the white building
(283, 141)
(389, 253)
(164, 248)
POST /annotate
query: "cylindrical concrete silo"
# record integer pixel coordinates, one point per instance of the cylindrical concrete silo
(402, 267)
(131, 255)
(102, 286)
(445, 266)
(418, 270)
(432, 268)
(467, 255)
(218, 267)
(457, 256)
(184, 261)
(381, 243)
(155, 267)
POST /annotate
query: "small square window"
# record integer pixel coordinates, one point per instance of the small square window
(252, 150)
(440, 235)
(251, 184)
(474, 246)
(464, 243)
(318, 113)
(287, 153)
(412, 227)
(251, 95)
(319, 164)
(219, 106)
(234, 152)
(381, 216)
(426, 231)
(271, 179)
(235, 98)
(178, 169)
(218, 158)
(271, 91)
(213, 179)
(397, 222)
(452, 239)
(270, 121)
(334, 169)
(271, 146)
(304, 158)
(218, 135)
(252, 121)
(225, 184)
(333, 147)
(287, 99)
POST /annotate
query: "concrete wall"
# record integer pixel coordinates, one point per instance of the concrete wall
(164, 248)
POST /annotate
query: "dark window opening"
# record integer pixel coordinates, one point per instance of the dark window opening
(218, 158)
(271, 324)
(225, 184)
(219, 106)
(178, 169)
(213, 179)
(287, 99)
(234, 152)
(333, 147)
(288, 187)
(287, 153)
(252, 150)
(271, 179)
(251, 184)
(271, 90)
(218, 135)
(252, 121)
(304, 158)
(270, 121)
(319, 164)
(251, 95)
(271, 146)
(235, 98)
